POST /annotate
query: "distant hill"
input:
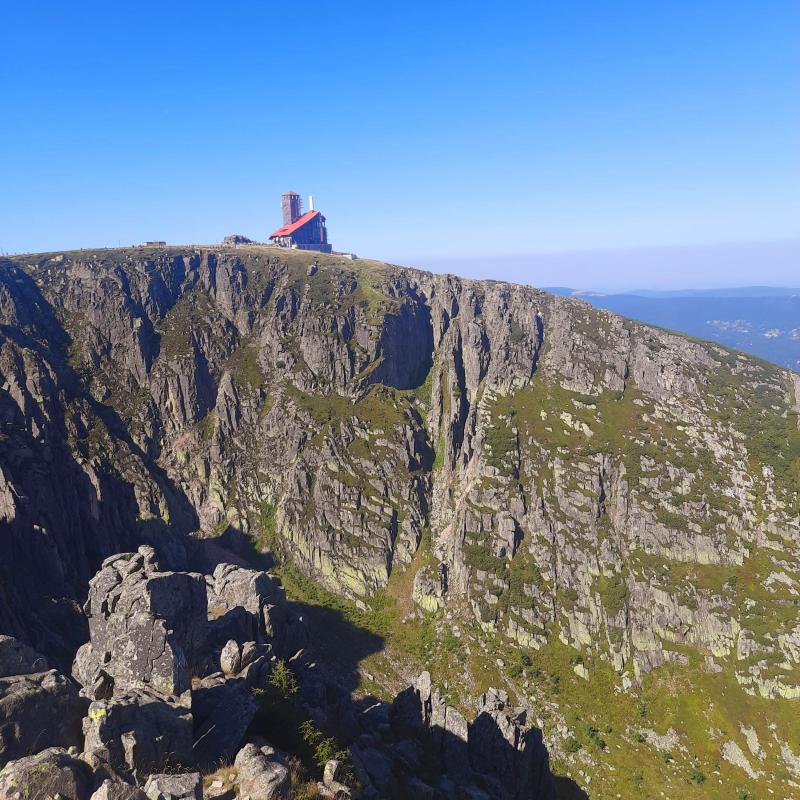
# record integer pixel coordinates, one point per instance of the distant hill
(761, 320)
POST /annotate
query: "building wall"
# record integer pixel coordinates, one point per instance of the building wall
(313, 232)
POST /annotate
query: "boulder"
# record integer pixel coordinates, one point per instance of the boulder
(38, 711)
(183, 786)
(230, 658)
(248, 605)
(232, 586)
(262, 773)
(223, 710)
(147, 628)
(118, 790)
(50, 773)
(330, 785)
(139, 732)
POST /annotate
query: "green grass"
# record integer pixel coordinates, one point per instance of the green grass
(244, 367)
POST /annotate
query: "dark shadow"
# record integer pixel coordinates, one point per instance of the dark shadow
(408, 747)
(74, 505)
(567, 789)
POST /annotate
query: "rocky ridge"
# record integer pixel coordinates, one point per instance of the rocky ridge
(162, 700)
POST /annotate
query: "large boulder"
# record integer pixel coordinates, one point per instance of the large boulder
(183, 786)
(139, 732)
(147, 628)
(262, 773)
(50, 773)
(38, 711)
(118, 790)
(233, 587)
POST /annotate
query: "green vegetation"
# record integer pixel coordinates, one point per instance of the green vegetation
(501, 443)
(762, 412)
(613, 593)
(281, 720)
(244, 367)
(207, 425)
(266, 537)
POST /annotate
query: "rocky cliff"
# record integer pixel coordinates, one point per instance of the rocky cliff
(574, 477)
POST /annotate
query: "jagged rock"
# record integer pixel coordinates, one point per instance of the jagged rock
(504, 746)
(373, 768)
(262, 773)
(139, 732)
(498, 745)
(50, 773)
(185, 786)
(147, 628)
(38, 711)
(249, 605)
(223, 710)
(117, 790)
(234, 587)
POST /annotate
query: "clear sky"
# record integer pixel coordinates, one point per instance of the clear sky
(430, 133)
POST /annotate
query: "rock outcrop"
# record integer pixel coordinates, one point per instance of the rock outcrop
(147, 628)
(497, 755)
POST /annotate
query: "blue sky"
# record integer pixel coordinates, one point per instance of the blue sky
(490, 135)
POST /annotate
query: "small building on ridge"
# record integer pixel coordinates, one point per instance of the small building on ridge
(301, 231)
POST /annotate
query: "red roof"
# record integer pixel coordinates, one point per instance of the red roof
(288, 230)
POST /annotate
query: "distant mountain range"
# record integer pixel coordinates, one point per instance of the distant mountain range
(762, 320)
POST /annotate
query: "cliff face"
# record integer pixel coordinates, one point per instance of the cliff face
(620, 486)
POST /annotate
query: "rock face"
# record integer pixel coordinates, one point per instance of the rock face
(560, 455)
(498, 753)
(17, 658)
(579, 478)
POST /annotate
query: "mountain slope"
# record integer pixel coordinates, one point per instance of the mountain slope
(586, 507)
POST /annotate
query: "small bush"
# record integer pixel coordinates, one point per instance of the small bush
(697, 776)
(283, 680)
(572, 745)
